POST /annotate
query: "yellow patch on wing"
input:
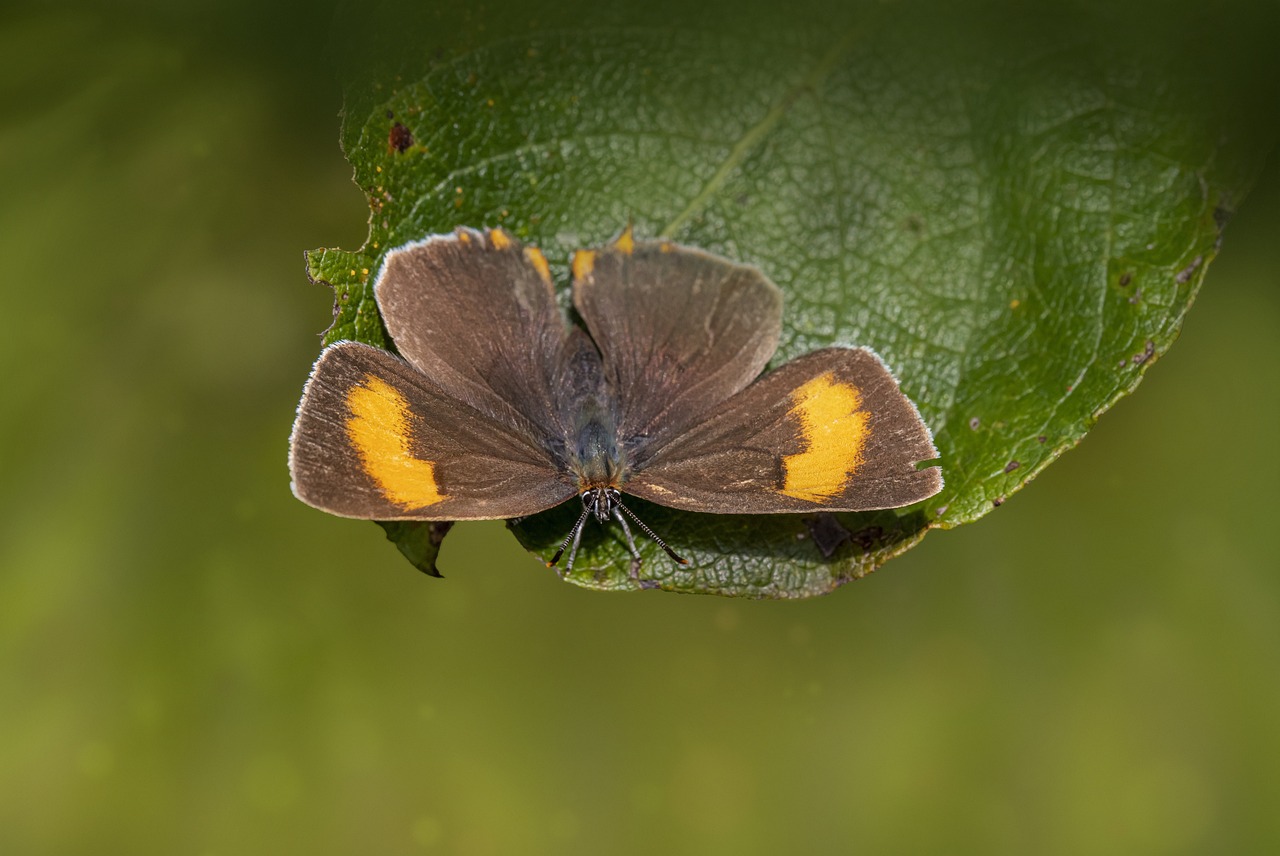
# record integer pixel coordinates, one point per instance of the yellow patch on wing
(539, 262)
(835, 432)
(501, 240)
(380, 431)
(626, 241)
(584, 261)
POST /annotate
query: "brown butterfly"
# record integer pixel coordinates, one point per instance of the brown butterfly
(498, 408)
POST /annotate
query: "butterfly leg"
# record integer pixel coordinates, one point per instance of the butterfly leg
(631, 545)
(573, 551)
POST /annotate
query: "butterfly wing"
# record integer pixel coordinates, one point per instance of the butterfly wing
(679, 330)
(829, 431)
(476, 312)
(377, 439)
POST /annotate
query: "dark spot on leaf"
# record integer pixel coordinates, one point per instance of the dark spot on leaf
(913, 224)
(390, 114)
(1042, 439)
(974, 423)
(1011, 466)
(1221, 216)
(997, 502)
(869, 538)
(399, 139)
(1187, 272)
(1125, 279)
(438, 529)
(1145, 354)
(828, 533)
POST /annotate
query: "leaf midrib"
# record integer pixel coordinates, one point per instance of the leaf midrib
(757, 132)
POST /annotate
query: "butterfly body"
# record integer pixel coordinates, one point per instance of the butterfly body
(595, 458)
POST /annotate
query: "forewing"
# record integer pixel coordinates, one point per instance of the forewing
(680, 331)
(829, 431)
(476, 312)
(376, 439)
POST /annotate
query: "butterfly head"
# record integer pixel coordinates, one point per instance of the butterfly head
(604, 503)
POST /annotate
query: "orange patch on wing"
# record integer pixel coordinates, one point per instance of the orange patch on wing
(584, 261)
(501, 240)
(379, 428)
(626, 241)
(539, 262)
(835, 432)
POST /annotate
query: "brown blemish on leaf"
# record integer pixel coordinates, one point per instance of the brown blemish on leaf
(869, 538)
(439, 529)
(399, 139)
(1187, 272)
(1011, 466)
(1145, 354)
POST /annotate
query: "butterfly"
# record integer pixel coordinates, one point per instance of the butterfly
(498, 407)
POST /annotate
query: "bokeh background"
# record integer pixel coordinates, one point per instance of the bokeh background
(191, 661)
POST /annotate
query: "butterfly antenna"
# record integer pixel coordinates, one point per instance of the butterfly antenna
(575, 534)
(646, 530)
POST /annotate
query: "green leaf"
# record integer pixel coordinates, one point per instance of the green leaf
(418, 542)
(1015, 226)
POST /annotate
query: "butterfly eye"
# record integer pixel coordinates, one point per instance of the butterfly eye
(597, 502)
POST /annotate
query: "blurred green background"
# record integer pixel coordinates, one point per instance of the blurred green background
(191, 661)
